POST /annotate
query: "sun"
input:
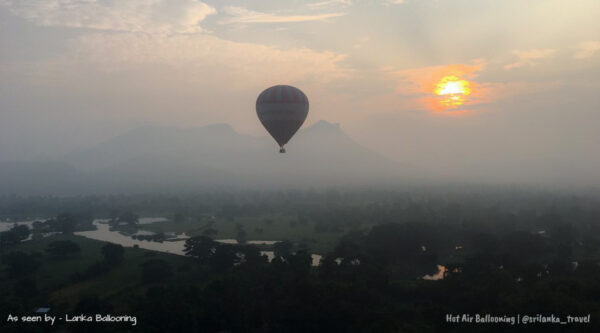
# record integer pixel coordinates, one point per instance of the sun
(451, 85)
(453, 90)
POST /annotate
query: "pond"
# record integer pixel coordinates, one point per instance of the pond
(437, 276)
(253, 242)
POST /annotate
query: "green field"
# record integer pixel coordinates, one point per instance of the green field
(258, 228)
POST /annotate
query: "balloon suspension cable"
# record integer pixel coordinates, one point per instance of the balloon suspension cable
(282, 150)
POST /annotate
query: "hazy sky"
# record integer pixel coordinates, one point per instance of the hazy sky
(522, 104)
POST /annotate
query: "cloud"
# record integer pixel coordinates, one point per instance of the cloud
(361, 41)
(529, 57)
(329, 4)
(178, 79)
(586, 49)
(243, 15)
(151, 16)
(192, 59)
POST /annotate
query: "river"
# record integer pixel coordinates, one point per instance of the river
(103, 233)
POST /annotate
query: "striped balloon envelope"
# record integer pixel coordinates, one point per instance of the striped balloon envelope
(282, 110)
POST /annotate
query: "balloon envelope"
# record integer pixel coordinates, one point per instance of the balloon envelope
(282, 110)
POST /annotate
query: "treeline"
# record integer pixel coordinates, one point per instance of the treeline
(379, 206)
(64, 223)
(371, 283)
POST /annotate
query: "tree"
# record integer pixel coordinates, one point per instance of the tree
(15, 235)
(129, 218)
(20, 263)
(63, 248)
(65, 223)
(210, 232)
(348, 251)
(283, 249)
(401, 246)
(156, 271)
(224, 257)
(241, 237)
(300, 262)
(200, 247)
(328, 267)
(251, 255)
(113, 253)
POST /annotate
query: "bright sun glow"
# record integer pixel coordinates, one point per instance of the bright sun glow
(453, 90)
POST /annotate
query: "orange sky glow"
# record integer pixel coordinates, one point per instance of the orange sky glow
(444, 90)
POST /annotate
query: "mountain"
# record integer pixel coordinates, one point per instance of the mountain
(156, 158)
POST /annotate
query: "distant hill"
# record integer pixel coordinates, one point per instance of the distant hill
(156, 158)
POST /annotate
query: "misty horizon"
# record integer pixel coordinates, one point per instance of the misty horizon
(161, 158)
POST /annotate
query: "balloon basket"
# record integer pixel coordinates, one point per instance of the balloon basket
(282, 150)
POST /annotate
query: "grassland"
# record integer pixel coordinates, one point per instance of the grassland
(266, 227)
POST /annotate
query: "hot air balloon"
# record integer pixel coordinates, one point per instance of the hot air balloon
(282, 110)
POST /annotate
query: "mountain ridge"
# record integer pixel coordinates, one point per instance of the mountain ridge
(154, 158)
